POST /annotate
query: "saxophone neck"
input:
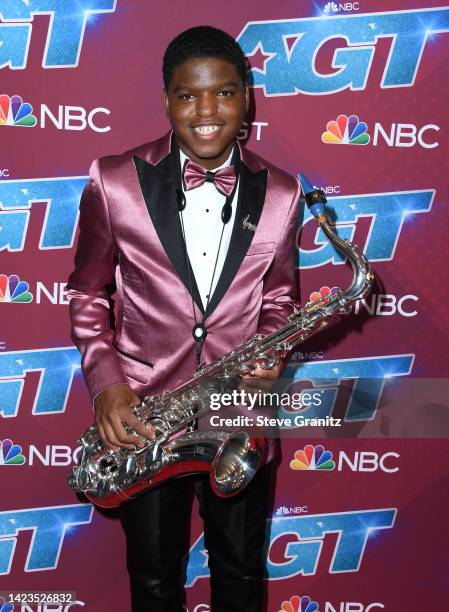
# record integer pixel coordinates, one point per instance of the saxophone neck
(363, 276)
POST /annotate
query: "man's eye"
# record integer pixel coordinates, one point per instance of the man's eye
(186, 96)
(226, 92)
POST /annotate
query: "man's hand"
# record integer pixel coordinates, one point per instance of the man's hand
(113, 407)
(260, 378)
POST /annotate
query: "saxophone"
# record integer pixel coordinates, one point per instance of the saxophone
(108, 478)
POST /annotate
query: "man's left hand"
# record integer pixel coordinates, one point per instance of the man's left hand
(260, 378)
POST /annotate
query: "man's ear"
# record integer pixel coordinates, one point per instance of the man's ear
(165, 101)
(246, 98)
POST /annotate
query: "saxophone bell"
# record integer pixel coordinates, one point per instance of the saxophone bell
(235, 463)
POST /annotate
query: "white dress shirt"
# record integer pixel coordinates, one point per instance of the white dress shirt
(203, 226)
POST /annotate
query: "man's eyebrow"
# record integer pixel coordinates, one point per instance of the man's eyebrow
(227, 84)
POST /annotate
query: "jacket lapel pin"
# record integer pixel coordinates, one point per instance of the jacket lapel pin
(247, 225)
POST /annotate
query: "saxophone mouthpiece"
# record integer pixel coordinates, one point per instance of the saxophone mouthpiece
(315, 198)
(306, 185)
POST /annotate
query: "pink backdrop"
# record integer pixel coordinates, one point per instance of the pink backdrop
(368, 534)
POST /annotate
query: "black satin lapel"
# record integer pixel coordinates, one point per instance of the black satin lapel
(159, 195)
(252, 187)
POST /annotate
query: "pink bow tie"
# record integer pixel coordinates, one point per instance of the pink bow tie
(195, 176)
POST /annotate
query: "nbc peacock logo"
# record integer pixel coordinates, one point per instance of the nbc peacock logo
(312, 458)
(324, 294)
(299, 604)
(10, 454)
(330, 8)
(5, 606)
(346, 130)
(15, 112)
(12, 289)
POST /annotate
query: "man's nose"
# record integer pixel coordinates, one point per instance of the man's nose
(206, 105)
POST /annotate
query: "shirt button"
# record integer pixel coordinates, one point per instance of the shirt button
(204, 253)
(207, 210)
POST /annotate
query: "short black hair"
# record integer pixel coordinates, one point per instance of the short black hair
(201, 42)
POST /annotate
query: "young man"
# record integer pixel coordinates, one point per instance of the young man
(197, 236)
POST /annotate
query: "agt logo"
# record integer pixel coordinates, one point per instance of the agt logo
(14, 290)
(67, 23)
(60, 196)
(15, 112)
(378, 304)
(49, 455)
(59, 365)
(332, 8)
(49, 526)
(387, 214)
(283, 52)
(297, 542)
(304, 603)
(349, 130)
(318, 458)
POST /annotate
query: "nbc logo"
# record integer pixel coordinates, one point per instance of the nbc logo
(285, 511)
(5, 606)
(324, 294)
(346, 130)
(299, 604)
(318, 458)
(14, 111)
(313, 458)
(330, 8)
(12, 289)
(10, 454)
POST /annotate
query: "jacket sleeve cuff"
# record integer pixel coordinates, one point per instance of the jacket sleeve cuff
(94, 397)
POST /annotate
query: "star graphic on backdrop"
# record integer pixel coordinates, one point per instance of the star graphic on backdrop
(259, 58)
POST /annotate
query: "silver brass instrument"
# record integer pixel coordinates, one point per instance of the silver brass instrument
(109, 478)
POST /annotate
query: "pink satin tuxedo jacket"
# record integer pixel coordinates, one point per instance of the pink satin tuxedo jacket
(130, 243)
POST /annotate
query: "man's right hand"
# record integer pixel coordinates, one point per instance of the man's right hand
(113, 406)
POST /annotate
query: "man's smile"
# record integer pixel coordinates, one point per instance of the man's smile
(207, 132)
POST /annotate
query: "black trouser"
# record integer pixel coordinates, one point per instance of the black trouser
(157, 530)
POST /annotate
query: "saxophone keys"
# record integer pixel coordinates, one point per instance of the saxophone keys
(154, 460)
(82, 478)
(103, 488)
(128, 472)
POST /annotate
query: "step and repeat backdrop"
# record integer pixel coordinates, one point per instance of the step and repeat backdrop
(353, 94)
